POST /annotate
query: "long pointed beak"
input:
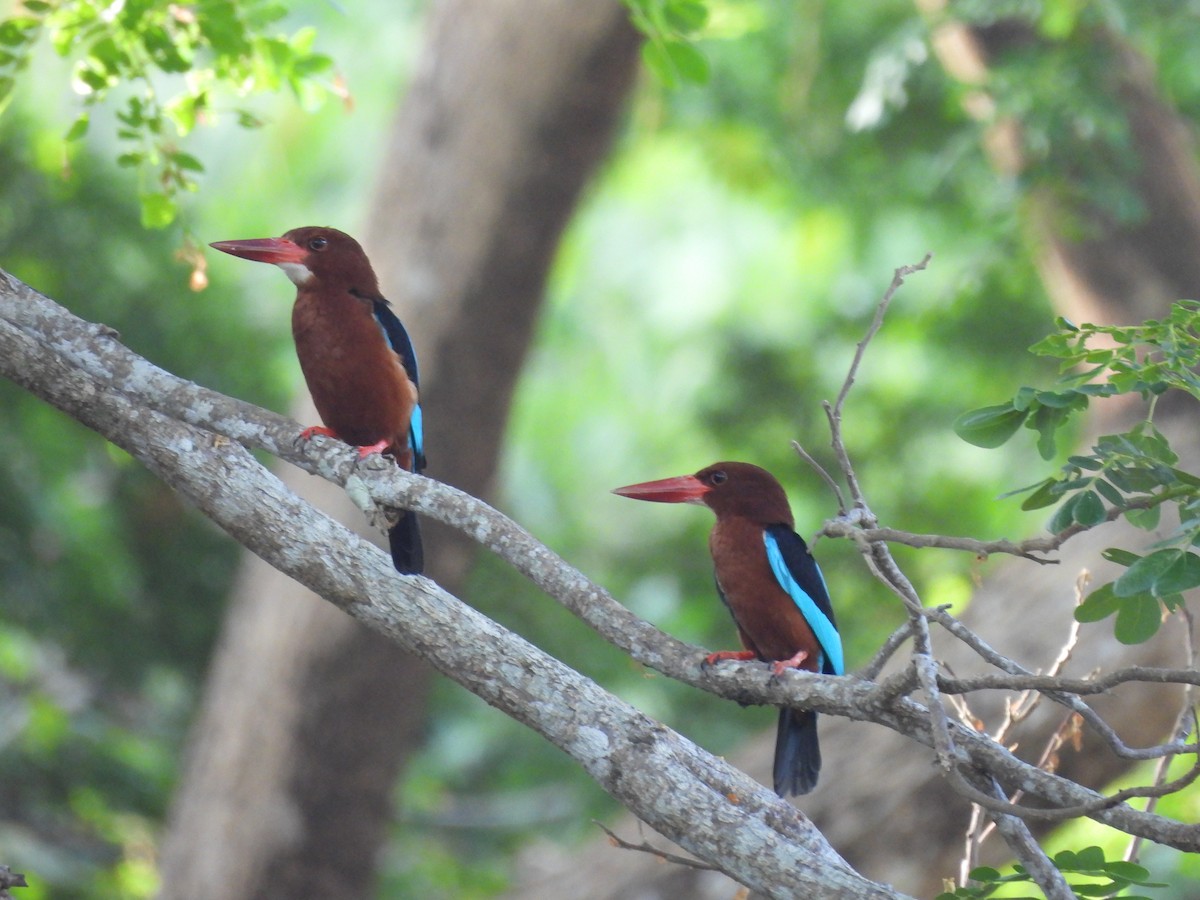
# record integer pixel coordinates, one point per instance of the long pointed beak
(268, 250)
(683, 489)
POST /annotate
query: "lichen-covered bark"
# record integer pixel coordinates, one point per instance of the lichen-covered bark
(703, 803)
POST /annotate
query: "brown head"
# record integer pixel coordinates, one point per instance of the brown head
(727, 488)
(311, 256)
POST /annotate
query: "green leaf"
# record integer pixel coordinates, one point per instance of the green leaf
(1058, 399)
(658, 62)
(1111, 494)
(1047, 421)
(983, 873)
(186, 161)
(1138, 619)
(1024, 398)
(1090, 463)
(1092, 890)
(158, 210)
(1182, 576)
(1089, 510)
(1128, 871)
(78, 128)
(1143, 576)
(1099, 604)
(1089, 858)
(990, 426)
(1146, 519)
(688, 61)
(1047, 492)
(1186, 478)
(685, 16)
(1064, 516)
(1119, 556)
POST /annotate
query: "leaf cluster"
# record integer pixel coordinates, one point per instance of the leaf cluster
(1132, 474)
(669, 27)
(175, 62)
(1113, 876)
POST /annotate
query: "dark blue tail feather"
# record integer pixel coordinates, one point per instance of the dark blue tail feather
(797, 753)
(404, 540)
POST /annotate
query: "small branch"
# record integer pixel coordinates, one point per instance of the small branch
(1097, 684)
(1025, 847)
(893, 643)
(825, 476)
(647, 847)
(880, 311)
(845, 528)
(1185, 724)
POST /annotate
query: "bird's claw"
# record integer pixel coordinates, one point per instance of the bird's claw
(722, 655)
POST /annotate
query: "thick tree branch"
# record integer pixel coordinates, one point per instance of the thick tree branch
(667, 781)
(80, 368)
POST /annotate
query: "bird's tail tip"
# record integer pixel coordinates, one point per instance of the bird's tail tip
(404, 541)
(797, 753)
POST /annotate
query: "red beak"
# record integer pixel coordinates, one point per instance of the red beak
(268, 250)
(683, 489)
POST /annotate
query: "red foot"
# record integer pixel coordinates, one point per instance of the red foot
(307, 433)
(722, 655)
(364, 452)
(779, 666)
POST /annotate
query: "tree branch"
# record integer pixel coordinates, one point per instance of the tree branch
(83, 370)
(666, 780)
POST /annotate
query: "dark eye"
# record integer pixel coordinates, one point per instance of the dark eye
(318, 243)
(717, 477)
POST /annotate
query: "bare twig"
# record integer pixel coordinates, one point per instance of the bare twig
(1185, 724)
(1096, 684)
(880, 311)
(646, 847)
(825, 476)
(885, 652)
(1020, 840)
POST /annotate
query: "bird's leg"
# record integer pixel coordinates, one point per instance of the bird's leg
(363, 452)
(722, 655)
(378, 447)
(779, 666)
(311, 430)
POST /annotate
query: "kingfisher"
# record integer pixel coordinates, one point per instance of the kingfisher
(773, 588)
(356, 356)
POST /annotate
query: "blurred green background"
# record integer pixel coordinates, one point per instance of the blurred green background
(706, 299)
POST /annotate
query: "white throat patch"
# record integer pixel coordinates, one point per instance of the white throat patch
(297, 272)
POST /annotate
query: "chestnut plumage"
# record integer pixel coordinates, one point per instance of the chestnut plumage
(773, 588)
(355, 354)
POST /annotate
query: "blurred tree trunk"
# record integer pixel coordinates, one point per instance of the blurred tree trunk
(882, 802)
(308, 718)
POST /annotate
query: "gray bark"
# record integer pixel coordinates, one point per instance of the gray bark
(189, 437)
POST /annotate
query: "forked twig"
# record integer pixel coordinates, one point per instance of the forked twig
(646, 847)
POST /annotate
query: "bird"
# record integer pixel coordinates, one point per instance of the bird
(356, 356)
(773, 588)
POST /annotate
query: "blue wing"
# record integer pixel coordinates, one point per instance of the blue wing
(798, 574)
(397, 337)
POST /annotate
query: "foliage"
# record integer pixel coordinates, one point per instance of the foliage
(1133, 474)
(175, 62)
(668, 26)
(1108, 878)
(111, 591)
(705, 301)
